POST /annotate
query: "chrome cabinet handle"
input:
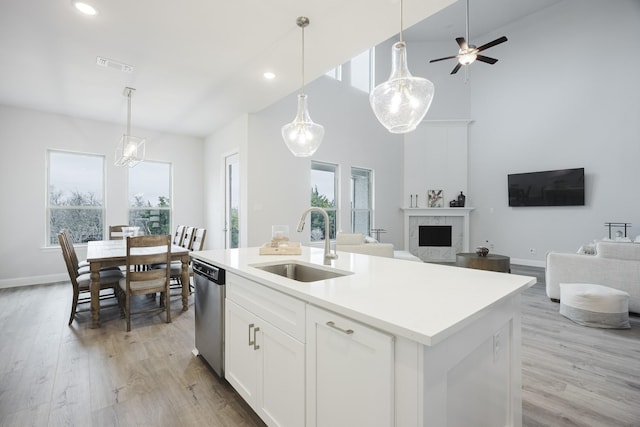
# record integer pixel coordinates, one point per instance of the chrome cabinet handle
(255, 342)
(254, 335)
(346, 331)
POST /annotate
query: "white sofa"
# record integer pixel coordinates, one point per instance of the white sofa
(361, 244)
(616, 265)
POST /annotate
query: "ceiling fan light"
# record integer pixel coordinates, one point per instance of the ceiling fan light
(403, 100)
(466, 58)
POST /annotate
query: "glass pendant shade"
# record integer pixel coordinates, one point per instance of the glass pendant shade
(130, 151)
(403, 100)
(302, 135)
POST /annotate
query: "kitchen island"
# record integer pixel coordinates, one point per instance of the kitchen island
(388, 342)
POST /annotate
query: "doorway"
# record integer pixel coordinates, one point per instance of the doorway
(232, 201)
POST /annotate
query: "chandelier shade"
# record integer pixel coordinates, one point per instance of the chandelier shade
(302, 136)
(403, 100)
(131, 149)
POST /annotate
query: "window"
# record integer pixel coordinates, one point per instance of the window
(75, 195)
(361, 201)
(335, 73)
(324, 184)
(362, 71)
(149, 197)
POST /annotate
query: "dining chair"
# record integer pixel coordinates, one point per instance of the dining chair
(116, 232)
(178, 235)
(141, 252)
(187, 239)
(81, 281)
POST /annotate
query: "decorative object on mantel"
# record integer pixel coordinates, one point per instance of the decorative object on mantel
(624, 225)
(416, 203)
(459, 202)
(435, 199)
(403, 100)
(482, 251)
(130, 150)
(302, 135)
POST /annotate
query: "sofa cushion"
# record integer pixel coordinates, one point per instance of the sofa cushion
(628, 251)
(595, 305)
(349, 239)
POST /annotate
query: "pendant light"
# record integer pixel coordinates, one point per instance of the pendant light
(403, 100)
(130, 150)
(302, 135)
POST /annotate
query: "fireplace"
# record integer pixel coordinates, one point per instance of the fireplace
(453, 222)
(434, 235)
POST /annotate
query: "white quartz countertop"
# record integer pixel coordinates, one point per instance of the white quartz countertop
(420, 301)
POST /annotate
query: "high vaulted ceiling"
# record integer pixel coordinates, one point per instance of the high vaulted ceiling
(199, 63)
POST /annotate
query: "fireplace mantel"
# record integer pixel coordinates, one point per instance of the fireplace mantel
(441, 212)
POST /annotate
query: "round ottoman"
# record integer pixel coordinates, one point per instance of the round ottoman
(594, 305)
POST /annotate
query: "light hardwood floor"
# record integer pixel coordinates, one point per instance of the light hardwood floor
(54, 375)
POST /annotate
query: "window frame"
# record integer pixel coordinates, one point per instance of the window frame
(50, 241)
(370, 209)
(169, 209)
(333, 212)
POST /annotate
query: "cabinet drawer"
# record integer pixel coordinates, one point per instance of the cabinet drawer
(282, 311)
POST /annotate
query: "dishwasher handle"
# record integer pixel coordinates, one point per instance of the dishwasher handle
(211, 272)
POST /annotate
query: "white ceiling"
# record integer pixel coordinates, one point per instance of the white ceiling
(199, 63)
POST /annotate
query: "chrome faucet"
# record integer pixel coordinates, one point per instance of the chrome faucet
(328, 256)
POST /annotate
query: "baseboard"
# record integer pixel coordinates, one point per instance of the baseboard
(528, 262)
(33, 280)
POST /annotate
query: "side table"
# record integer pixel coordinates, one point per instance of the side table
(491, 262)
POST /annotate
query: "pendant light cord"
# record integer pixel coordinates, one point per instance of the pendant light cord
(302, 89)
(401, 23)
(129, 113)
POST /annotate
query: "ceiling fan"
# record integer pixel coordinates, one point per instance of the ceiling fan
(469, 53)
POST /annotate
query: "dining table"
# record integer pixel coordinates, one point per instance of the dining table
(113, 253)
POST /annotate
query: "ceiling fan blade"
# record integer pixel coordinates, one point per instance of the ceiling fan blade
(442, 59)
(456, 68)
(486, 59)
(462, 43)
(493, 43)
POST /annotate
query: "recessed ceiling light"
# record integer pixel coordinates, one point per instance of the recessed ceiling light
(85, 8)
(269, 75)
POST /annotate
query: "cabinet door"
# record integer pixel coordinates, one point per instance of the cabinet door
(349, 372)
(281, 385)
(241, 359)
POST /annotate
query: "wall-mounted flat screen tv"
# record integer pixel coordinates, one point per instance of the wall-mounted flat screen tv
(564, 187)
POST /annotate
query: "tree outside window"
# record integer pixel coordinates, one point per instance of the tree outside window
(324, 179)
(75, 196)
(149, 197)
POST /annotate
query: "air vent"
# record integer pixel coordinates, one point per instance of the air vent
(110, 63)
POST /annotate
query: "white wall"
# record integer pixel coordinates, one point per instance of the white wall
(25, 137)
(232, 138)
(279, 183)
(564, 94)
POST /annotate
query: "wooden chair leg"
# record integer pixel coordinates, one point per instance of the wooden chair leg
(167, 303)
(127, 312)
(74, 306)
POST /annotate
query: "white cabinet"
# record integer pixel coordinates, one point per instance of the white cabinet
(350, 372)
(264, 364)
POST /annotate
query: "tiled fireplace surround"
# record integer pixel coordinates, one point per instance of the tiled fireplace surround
(457, 218)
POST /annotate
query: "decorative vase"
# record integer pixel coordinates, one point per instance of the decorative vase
(482, 251)
(461, 199)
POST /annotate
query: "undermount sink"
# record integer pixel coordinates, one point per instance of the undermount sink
(301, 272)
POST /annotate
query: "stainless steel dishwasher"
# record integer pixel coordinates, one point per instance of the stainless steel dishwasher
(209, 313)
